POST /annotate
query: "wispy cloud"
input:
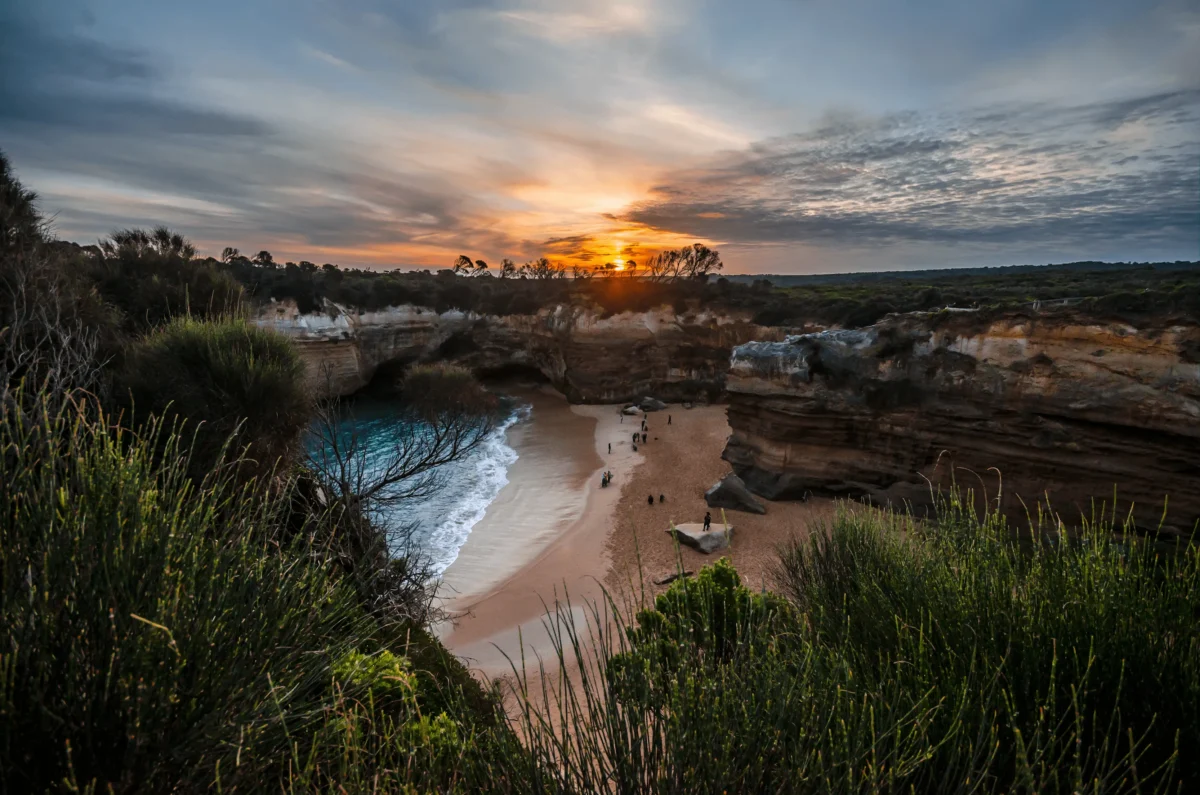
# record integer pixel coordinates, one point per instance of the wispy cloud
(1122, 170)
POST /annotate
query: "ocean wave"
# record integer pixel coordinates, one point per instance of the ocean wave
(485, 473)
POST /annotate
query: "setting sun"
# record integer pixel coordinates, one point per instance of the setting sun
(620, 263)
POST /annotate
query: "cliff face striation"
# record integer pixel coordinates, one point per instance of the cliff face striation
(589, 358)
(1044, 407)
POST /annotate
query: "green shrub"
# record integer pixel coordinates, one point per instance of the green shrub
(383, 676)
(433, 390)
(218, 378)
(711, 619)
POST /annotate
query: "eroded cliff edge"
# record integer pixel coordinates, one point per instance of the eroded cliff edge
(589, 357)
(1062, 408)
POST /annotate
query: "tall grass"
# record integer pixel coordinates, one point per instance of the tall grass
(936, 657)
(163, 633)
(159, 633)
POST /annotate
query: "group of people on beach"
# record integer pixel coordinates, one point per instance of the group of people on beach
(642, 436)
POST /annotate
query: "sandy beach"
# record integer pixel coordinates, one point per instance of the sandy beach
(553, 531)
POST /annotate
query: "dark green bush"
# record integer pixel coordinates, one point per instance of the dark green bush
(224, 381)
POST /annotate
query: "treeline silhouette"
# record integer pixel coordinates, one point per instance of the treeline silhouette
(144, 276)
(686, 281)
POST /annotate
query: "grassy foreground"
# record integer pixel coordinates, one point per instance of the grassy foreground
(164, 635)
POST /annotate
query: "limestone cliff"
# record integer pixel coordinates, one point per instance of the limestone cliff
(588, 357)
(1046, 407)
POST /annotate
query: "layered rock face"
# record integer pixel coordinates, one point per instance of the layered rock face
(589, 358)
(1026, 407)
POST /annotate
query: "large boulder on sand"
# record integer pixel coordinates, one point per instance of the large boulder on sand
(630, 410)
(694, 536)
(730, 492)
(652, 404)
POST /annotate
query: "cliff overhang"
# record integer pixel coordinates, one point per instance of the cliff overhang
(588, 356)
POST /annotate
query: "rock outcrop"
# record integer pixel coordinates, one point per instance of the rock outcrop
(589, 358)
(707, 541)
(730, 492)
(1022, 407)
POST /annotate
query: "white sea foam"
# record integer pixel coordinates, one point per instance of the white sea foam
(483, 475)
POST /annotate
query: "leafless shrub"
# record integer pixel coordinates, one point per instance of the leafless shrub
(44, 347)
(443, 420)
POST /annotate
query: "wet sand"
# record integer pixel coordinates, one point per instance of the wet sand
(552, 531)
(543, 538)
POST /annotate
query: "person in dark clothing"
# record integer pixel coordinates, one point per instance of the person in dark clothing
(668, 419)
(645, 438)
(707, 521)
(650, 500)
(635, 437)
(610, 447)
(662, 498)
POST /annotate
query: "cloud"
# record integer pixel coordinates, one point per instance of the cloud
(1091, 174)
(399, 133)
(62, 80)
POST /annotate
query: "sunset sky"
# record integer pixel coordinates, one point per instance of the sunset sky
(794, 135)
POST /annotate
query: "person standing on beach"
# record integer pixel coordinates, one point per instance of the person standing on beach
(650, 500)
(707, 520)
(668, 419)
(645, 438)
(610, 448)
(662, 498)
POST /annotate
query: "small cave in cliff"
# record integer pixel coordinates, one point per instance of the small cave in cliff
(387, 377)
(512, 372)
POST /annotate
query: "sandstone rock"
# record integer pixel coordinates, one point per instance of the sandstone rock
(1020, 401)
(730, 492)
(694, 536)
(652, 404)
(631, 410)
(588, 357)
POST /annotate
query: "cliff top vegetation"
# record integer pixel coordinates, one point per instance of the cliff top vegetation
(1132, 292)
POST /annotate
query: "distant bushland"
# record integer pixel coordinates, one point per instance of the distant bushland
(1118, 291)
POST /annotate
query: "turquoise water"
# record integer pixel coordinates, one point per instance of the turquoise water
(443, 521)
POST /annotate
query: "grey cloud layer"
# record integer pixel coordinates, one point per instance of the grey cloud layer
(1125, 170)
(73, 105)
